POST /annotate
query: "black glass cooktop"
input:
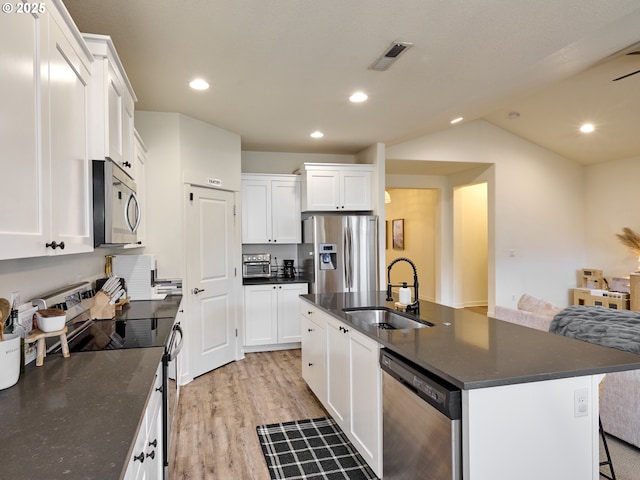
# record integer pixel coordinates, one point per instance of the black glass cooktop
(92, 335)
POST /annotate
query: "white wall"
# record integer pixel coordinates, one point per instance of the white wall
(33, 277)
(612, 201)
(209, 152)
(283, 162)
(161, 135)
(535, 208)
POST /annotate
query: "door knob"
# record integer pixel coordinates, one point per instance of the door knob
(197, 290)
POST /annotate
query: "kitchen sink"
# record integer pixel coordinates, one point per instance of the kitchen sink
(383, 318)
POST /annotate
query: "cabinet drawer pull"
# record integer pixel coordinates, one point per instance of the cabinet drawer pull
(154, 444)
(55, 245)
(152, 454)
(139, 458)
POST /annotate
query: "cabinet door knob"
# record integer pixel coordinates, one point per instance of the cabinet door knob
(139, 458)
(310, 329)
(311, 364)
(309, 313)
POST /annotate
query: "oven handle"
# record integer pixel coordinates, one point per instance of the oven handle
(174, 353)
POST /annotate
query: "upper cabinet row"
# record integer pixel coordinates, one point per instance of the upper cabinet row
(272, 204)
(48, 91)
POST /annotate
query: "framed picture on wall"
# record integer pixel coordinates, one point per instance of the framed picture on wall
(398, 234)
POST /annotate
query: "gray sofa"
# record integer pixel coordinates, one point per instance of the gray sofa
(620, 395)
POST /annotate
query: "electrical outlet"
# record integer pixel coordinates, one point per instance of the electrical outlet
(581, 402)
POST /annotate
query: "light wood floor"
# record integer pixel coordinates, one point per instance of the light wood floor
(215, 430)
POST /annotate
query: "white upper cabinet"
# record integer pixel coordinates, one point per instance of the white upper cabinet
(112, 106)
(271, 209)
(336, 187)
(44, 79)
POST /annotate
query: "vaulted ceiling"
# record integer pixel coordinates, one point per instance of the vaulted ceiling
(280, 69)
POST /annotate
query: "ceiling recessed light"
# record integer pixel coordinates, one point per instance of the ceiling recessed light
(456, 120)
(198, 84)
(317, 134)
(358, 97)
(587, 128)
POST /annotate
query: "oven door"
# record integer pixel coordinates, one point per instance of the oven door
(256, 270)
(171, 390)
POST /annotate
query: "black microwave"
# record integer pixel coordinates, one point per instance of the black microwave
(116, 211)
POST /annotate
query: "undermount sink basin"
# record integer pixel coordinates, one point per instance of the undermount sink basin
(383, 318)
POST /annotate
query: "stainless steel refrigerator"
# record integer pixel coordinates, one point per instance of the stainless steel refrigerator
(339, 253)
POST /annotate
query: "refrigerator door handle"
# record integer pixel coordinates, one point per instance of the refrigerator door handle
(348, 266)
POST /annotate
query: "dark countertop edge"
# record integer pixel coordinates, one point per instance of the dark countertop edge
(274, 281)
(504, 381)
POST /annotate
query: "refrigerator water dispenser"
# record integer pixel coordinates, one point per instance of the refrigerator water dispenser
(328, 256)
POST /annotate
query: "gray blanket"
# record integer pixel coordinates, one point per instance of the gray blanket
(604, 326)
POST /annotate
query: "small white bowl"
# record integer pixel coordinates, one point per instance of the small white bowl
(51, 319)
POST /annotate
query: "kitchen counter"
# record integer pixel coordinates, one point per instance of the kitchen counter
(77, 417)
(474, 351)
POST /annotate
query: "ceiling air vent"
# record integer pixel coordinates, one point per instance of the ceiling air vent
(390, 55)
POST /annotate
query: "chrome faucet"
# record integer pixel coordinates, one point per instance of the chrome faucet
(415, 306)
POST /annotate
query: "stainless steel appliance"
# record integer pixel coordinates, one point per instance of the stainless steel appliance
(256, 265)
(339, 253)
(171, 368)
(420, 423)
(116, 212)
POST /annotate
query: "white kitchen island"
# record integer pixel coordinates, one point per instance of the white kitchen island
(529, 398)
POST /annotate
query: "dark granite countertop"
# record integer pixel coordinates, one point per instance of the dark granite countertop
(273, 280)
(77, 417)
(471, 350)
(143, 309)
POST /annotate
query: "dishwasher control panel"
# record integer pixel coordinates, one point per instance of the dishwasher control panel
(428, 389)
(436, 391)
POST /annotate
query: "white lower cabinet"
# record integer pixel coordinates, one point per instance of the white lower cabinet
(146, 460)
(271, 313)
(314, 350)
(353, 380)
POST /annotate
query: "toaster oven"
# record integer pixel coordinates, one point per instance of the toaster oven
(256, 265)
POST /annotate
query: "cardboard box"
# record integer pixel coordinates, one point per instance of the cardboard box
(591, 278)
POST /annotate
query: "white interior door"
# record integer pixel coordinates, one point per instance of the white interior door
(210, 273)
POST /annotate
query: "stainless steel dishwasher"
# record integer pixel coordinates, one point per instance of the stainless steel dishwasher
(421, 423)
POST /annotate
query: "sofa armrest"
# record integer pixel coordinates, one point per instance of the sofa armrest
(524, 318)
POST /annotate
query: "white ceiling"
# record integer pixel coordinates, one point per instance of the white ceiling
(280, 69)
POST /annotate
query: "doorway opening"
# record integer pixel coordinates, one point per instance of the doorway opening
(470, 245)
(411, 231)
